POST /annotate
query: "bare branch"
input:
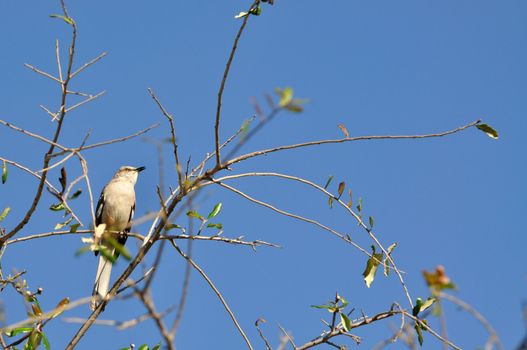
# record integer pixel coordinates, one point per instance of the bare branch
(431, 331)
(224, 80)
(62, 113)
(35, 174)
(294, 216)
(91, 98)
(57, 54)
(235, 241)
(173, 141)
(104, 143)
(86, 65)
(493, 336)
(43, 73)
(149, 304)
(36, 136)
(350, 139)
(225, 305)
(338, 200)
(257, 325)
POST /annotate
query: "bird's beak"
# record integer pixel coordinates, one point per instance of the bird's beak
(139, 169)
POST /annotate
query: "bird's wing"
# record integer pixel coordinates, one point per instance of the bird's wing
(124, 236)
(99, 210)
(98, 213)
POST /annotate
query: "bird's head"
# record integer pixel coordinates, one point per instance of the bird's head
(129, 173)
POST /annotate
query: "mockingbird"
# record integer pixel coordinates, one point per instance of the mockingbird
(113, 217)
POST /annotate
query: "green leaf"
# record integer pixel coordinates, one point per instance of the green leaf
(346, 323)
(83, 250)
(4, 173)
(4, 213)
(419, 334)
(34, 340)
(62, 224)
(107, 254)
(17, 331)
(328, 182)
(417, 306)
(68, 20)
(421, 306)
(215, 211)
(75, 194)
(330, 202)
(286, 96)
(371, 267)
(143, 347)
(218, 226)
(343, 301)
(57, 207)
(385, 262)
(371, 221)
(169, 227)
(119, 247)
(256, 11)
(341, 188)
(45, 341)
(331, 307)
(74, 227)
(244, 129)
(194, 214)
(295, 108)
(429, 302)
(359, 206)
(157, 346)
(489, 130)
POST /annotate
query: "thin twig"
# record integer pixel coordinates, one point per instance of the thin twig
(62, 113)
(91, 98)
(86, 65)
(224, 80)
(43, 73)
(35, 174)
(350, 139)
(186, 279)
(46, 315)
(294, 216)
(36, 136)
(289, 338)
(149, 304)
(104, 143)
(220, 296)
(57, 54)
(235, 241)
(431, 331)
(346, 207)
(493, 335)
(257, 325)
(173, 141)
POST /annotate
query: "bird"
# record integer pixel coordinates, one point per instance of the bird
(113, 216)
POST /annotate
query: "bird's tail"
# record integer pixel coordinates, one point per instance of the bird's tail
(102, 282)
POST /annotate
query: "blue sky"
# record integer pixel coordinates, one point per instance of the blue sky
(378, 67)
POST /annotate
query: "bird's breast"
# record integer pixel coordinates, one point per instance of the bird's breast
(119, 199)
